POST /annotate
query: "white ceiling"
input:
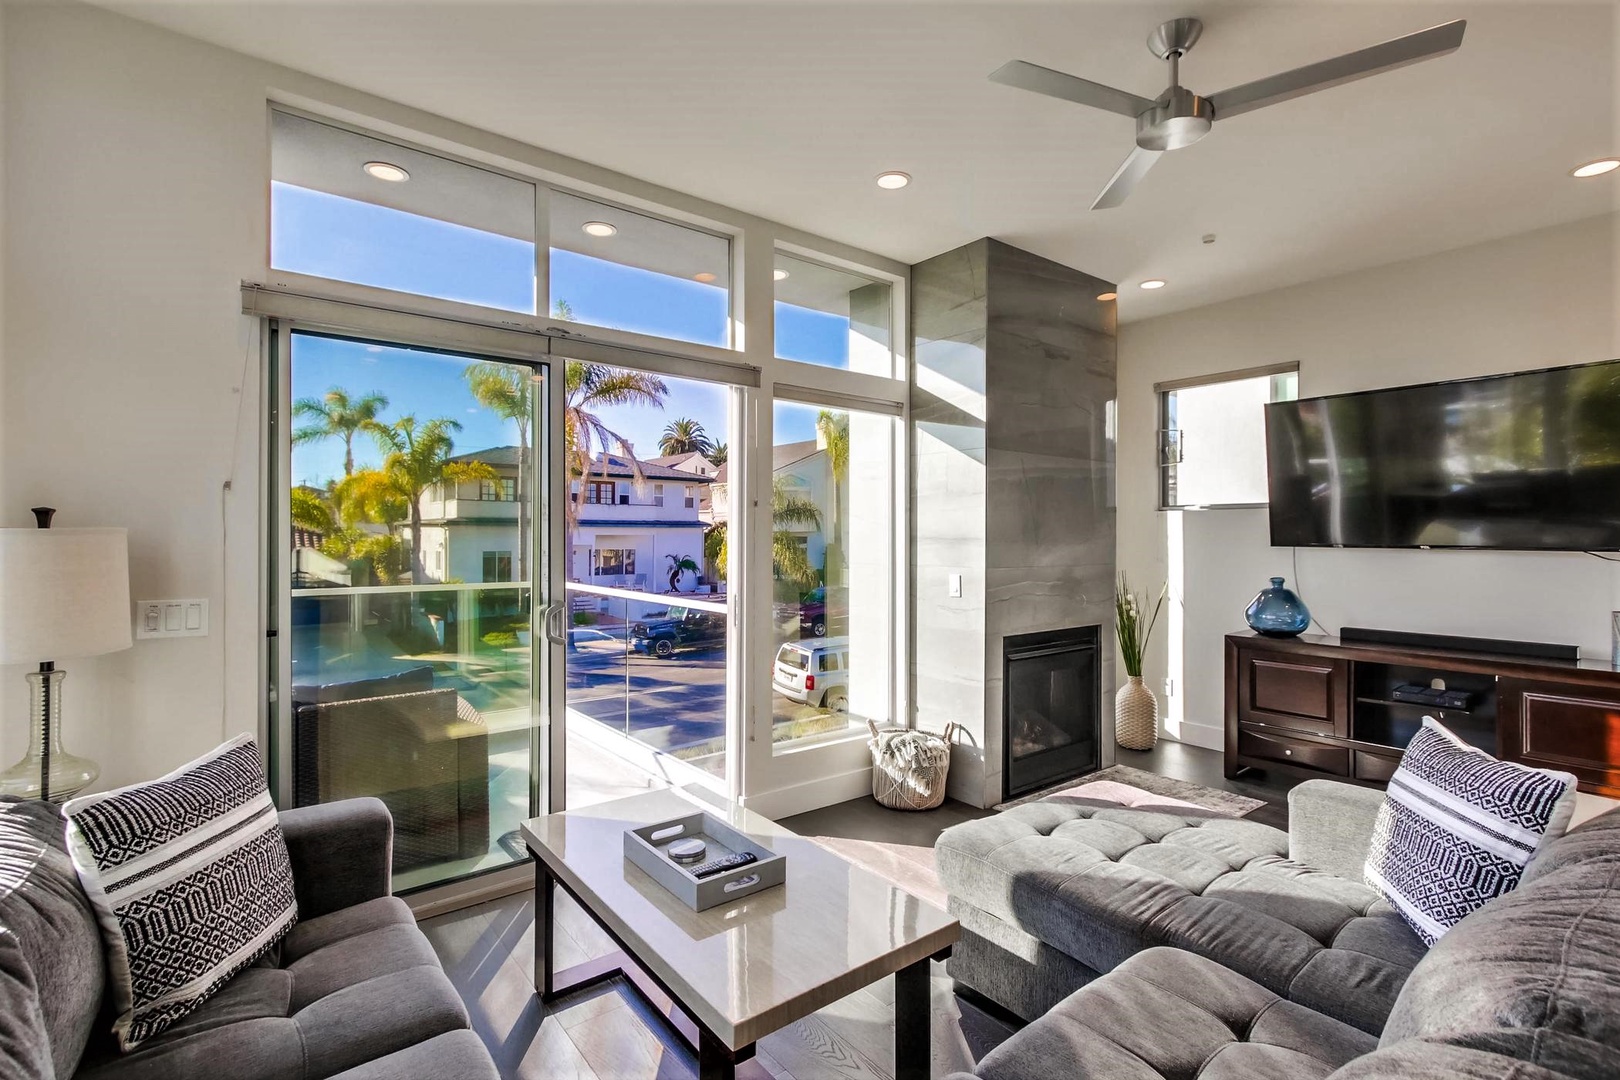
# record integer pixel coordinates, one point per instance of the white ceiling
(789, 109)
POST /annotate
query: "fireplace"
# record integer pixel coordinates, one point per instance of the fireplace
(1051, 705)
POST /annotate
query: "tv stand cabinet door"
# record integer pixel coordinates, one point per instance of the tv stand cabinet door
(1293, 691)
(1571, 728)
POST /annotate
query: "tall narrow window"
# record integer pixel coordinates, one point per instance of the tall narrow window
(356, 208)
(833, 559)
(1212, 440)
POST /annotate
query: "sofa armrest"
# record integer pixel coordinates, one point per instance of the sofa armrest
(1330, 825)
(342, 853)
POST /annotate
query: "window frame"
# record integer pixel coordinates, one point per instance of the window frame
(749, 367)
(1162, 428)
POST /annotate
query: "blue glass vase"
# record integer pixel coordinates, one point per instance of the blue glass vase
(1278, 612)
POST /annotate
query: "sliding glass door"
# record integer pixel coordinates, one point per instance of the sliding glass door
(411, 652)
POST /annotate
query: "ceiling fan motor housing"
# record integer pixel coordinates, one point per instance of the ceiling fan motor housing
(1178, 118)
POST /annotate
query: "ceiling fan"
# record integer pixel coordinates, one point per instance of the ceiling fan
(1178, 117)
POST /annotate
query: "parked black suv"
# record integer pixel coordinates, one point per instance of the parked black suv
(679, 628)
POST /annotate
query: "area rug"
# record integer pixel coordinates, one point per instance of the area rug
(1148, 791)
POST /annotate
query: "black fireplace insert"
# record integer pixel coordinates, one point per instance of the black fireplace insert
(1051, 707)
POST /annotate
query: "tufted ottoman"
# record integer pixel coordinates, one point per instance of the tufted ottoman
(1053, 893)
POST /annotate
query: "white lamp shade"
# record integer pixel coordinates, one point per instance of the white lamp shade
(64, 593)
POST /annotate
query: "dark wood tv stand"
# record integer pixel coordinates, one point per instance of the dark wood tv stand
(1313, 706)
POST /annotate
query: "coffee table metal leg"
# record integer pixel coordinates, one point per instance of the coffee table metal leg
(544, 904)
(716, 1061)
(911, 1051)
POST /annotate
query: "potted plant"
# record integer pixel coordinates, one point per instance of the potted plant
(1136, 710)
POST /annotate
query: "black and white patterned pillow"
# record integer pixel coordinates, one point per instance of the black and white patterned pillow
(1458, 827)
(190, 880)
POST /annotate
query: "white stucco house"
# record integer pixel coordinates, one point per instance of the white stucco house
(624, 533)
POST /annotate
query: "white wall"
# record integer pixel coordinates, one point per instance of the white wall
(1537, 300)
(131, 218)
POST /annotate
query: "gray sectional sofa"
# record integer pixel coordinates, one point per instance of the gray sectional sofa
(1226, 959)
(354, 992)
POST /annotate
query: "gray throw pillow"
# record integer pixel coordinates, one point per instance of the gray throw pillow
(190, 880)
(1458, 827)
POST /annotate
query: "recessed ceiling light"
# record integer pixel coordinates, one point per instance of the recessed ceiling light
(599, 228)
(1597, 168)
(893, 180)
(1107, 296)
(1154, 283)
(383, 170)
(779, 274)
(704, 277)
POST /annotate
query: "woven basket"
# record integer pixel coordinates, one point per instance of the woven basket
(909, 767)
(1136, 715)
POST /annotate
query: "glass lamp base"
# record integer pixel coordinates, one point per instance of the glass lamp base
(68, 774)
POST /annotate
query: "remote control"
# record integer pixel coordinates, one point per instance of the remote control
(730, 862)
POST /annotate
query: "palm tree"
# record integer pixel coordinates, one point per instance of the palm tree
(685, 436)
(790, 560)
(587, 387)
(337, 523)
(336, 415)
(719, 455)
(832, 428)
(418, 456)
(507, 391)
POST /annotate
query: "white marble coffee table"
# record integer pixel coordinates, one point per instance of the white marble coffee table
(738, 972)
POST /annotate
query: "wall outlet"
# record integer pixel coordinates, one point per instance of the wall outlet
(953, 585)
(1169, 688)
(171, 618)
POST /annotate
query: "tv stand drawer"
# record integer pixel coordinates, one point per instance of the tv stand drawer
(1302, 753)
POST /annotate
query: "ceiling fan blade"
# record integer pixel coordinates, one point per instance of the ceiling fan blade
(1423, 45)
(1126, 178)
(1027, 76)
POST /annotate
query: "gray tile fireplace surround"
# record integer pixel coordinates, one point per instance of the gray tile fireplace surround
(1013, 484)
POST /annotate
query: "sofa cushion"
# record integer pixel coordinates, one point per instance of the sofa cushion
(1458, 827)
(354, 986)
(1534, 975)
(455, 1055)
(52, 971)
(1101, 883)
(190, 880)
(1168, 1013)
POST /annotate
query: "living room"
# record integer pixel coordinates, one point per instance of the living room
(716, 381)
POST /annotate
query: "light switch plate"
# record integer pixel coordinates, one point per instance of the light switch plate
(171, 618)
(953, 585)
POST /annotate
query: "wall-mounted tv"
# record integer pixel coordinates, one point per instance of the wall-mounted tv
(1529, 461)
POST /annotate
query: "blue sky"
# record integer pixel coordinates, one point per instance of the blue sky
(328, 236)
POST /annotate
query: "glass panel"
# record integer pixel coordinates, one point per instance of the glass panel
(447, 230)
(1215, 440)
(627, 271)
(833, 318)
(646, 658)
(832, 499)
(411, 610)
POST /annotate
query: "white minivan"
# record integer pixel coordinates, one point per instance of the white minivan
(814, 672)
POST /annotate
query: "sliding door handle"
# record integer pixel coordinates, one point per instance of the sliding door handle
(555, 624)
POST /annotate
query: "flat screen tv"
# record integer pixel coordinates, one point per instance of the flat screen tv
(1527, 462)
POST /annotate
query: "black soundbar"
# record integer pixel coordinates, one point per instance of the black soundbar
(1540, 650)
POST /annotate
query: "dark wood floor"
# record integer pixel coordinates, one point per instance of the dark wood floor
(608, 1033)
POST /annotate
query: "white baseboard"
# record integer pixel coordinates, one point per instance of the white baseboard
(812, 794)
(1210, 738)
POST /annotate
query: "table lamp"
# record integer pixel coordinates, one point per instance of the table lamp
(64, 593)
